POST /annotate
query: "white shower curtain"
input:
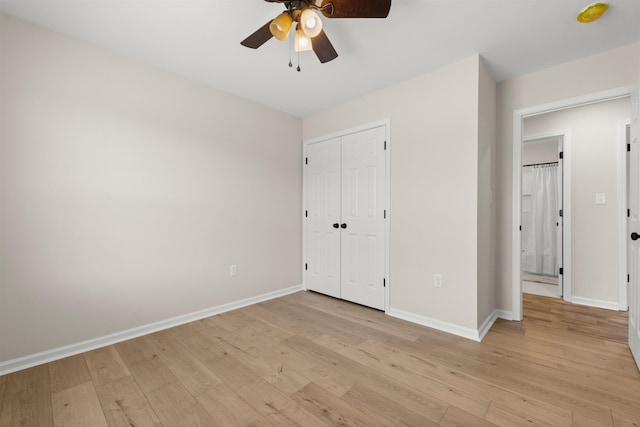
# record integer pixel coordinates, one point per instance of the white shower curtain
(540, 255)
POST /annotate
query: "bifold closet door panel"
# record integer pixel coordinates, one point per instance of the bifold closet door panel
(323, 206)
(363, 203)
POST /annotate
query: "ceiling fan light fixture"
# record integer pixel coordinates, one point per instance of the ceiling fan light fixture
(302, 41)
(592, 12)
(310, 22)
(281, 26)
(309, 34)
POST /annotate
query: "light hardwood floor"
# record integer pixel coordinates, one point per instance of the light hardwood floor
(310, 360)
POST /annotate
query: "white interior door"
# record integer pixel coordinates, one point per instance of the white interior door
(323, 217)
(345, 218)
(634, 227)
(363, 222)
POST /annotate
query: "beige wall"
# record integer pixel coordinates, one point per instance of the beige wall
(594, 169)
(486, 149)
(435, 161)
(126, 192)
(609, 70)
(540, 151)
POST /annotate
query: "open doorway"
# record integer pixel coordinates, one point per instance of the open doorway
(542, 226)
(596, 202)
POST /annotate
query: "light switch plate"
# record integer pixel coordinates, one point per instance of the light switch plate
(601, 198)
(437, 280)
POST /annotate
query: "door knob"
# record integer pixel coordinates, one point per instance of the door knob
(343, 225)
(336, 225)
(635, 236)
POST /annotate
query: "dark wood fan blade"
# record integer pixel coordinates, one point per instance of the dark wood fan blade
(323, 48)
(356, 8)
(258, 38)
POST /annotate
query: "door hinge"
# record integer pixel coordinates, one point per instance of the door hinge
(520, 228)
(385, 145)
(628, 147)
(628, 213)
(628, 279)
(561, 155)
(385, 213)
(306, 160)
(306, 266)
(306, 214)
(384, 283)
(560, 213)
(560, 271)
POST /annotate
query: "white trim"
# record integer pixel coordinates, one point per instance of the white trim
(387, 195)
(304, 222)
(516, 221)
(339, 134)
(609, 305)
(504, 314)
(25, 362)
(518, 116)
(622, 214)
(487, 324)
(345, 132)
(578, 101)
(567, 215)
(429, 322)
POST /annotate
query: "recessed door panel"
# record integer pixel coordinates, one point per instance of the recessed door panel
(370, 271)
(372, 196)
(350, 251)
(632, 266)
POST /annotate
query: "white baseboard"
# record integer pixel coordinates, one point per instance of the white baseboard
(447, 327)
(504, 314)
(487, 324)
(25, 362)
(609, 305)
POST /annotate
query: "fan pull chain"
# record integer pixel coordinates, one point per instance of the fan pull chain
(298, 61)
(290, 47)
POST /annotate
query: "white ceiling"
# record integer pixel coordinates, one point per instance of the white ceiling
(200, 40)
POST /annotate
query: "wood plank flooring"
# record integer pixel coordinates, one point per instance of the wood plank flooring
(310, 360)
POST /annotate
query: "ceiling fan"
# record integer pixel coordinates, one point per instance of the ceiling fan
(308, 31)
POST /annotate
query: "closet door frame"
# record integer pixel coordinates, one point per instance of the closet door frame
(386, 123)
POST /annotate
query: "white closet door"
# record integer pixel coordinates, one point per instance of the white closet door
(363, 204)
(323, 206)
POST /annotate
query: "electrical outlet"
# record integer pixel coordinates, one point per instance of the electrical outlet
(233, 270)
(437, 280)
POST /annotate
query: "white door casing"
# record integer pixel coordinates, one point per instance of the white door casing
(560, 219)
(634, 226)
(624, 244)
